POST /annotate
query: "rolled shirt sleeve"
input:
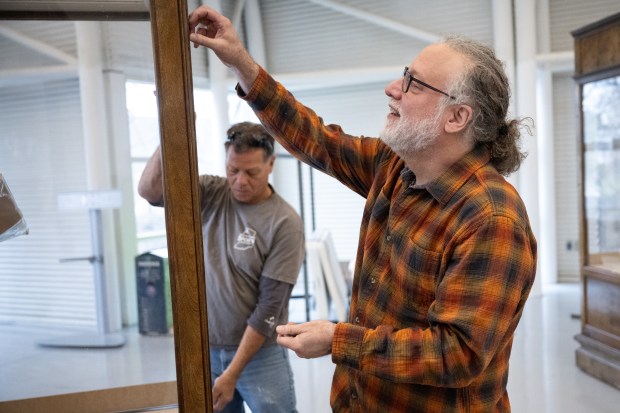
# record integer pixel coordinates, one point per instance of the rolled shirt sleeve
(272, 301)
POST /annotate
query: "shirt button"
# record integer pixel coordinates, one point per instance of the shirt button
(373, 280)
(357, 320)
(353, 395)
(388, 237)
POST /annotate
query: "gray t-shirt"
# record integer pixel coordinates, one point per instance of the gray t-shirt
(242, 243)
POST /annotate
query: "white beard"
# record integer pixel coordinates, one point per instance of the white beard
(405, 136)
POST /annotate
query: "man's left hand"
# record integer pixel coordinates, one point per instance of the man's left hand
(223, 391)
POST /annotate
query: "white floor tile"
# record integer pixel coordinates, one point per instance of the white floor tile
(543, 374)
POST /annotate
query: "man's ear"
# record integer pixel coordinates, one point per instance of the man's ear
(460, 116)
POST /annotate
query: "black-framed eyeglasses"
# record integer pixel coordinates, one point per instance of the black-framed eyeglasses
(408, 78)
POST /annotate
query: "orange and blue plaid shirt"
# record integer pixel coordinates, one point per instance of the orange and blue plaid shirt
(441, 276)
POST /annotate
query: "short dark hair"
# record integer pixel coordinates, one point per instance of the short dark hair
(245, 136)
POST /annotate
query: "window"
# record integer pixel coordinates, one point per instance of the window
(144, 138)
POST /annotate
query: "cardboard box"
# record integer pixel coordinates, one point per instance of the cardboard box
(12, 222)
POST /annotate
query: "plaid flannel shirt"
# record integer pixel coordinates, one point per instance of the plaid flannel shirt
(441, 276)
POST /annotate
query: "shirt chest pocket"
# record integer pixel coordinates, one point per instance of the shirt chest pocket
(416, 272)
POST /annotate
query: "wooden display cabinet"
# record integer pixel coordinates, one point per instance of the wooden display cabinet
(597, 73)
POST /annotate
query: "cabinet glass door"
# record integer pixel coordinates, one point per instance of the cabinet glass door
(601, 124)
(78, 122)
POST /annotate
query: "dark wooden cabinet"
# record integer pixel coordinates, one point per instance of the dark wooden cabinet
(597, 73)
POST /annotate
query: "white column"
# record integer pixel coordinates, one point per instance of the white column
(546, 160)
(525, 101)
(254, 28)
(92, 95)
(547, 240)
(218, 81)
(121, 178)
(503, 41)
(97, 147)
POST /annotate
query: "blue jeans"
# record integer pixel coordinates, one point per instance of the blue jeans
(266, 383)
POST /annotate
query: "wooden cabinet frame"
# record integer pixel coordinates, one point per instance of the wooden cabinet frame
(597, 57)
(183, 223)
(181, 196)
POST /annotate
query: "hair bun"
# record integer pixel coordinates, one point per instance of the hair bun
(503, 130)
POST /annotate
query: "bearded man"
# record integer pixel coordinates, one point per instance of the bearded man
(446, 257)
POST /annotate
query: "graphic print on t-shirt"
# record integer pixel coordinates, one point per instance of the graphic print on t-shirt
(246, 239)
(271, 321)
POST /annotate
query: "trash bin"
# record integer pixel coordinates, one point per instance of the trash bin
(154, 298)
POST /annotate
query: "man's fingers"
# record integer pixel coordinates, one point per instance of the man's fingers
(200, 40)
(201, 31)
(218, 400)
(291, 343)
(198, 15)
(290, 329)
(285, 341)
(216, 403)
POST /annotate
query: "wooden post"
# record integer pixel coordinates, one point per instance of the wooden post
(181, 196)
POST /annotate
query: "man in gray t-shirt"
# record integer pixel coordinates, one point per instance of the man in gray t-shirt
(253, 247)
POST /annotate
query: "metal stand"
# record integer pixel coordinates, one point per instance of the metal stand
(103, 338)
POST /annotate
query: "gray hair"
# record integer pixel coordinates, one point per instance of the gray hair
(245, 136)
(484, 86)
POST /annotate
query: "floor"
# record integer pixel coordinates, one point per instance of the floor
(543, 374)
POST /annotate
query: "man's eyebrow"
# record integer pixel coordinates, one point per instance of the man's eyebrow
(241, 168)
(416, 74)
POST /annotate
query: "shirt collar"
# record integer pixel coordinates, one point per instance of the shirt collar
(449, 182)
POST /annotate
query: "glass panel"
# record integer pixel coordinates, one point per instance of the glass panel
(601, 121)
(78, 310)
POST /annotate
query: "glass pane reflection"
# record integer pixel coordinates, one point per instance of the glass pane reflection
(64, 129)
(601, 122)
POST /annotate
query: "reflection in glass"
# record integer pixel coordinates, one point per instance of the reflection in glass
(50, 146)
(601, 123)
(144, 138)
